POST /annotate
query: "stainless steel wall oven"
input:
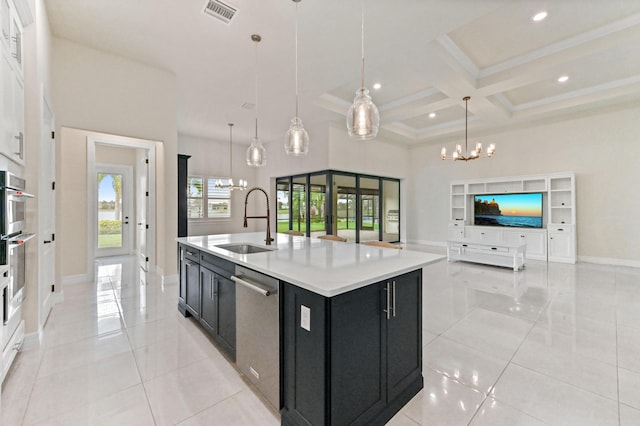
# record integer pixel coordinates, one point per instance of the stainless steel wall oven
(12, 242)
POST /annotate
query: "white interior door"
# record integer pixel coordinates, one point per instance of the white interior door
(142, 207)
(46, 214)
(114, 205)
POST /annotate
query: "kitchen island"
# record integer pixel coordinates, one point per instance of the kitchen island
(349, 321)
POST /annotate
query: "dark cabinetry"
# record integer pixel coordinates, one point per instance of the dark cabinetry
(358, 358)
(207, 293)
(219, 306)
(189, 299)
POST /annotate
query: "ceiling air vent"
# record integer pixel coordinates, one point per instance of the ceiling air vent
(220, 10)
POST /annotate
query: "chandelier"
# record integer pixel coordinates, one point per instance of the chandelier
(363, 118)
(256, 154)
(296, 140)
(466, 156)
(242, 184)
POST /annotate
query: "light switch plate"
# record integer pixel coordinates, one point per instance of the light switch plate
(305, 317)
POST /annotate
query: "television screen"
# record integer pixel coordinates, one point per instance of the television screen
(515, 210)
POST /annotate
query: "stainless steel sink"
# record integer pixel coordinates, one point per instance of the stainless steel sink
(244, 248)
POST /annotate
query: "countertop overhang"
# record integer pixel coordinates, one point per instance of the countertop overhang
(324, 267)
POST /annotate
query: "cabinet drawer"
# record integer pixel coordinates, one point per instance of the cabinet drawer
(494, 249)
(218, 265)
(560, 228)
(191, 254)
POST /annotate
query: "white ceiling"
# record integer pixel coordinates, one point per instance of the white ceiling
(427, 54)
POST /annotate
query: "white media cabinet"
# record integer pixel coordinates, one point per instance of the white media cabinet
(510, 255)
(555, 242)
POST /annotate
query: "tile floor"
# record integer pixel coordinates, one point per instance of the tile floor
(552, 345)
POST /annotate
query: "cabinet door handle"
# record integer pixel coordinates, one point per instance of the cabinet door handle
(20, 152)
(212, 284)
(394, 297)
(388, 310)
(560, 229)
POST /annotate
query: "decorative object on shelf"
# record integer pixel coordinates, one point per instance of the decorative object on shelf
(242, 184)
(466, 156)
(363, 118)
(256, 154)
(296, 140)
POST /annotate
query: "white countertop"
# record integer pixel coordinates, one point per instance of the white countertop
(324, 267)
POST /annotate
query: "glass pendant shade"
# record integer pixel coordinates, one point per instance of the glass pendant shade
(256, 154)
(363, 117)
(296, 140)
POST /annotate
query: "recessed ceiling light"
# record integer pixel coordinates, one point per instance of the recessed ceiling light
(539, 16)
(377, 86)
(432, 115)
(563, 78)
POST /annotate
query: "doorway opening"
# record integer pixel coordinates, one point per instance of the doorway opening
(121, 199)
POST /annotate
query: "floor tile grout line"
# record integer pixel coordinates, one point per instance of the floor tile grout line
(509, 362)
(135, 359)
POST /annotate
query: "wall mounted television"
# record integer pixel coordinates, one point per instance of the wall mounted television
(511, 210)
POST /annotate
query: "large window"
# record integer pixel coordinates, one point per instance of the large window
(353, 206)
(205, 201)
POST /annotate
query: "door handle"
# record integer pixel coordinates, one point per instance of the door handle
(47, 241)
(393, 285)
(388, 310)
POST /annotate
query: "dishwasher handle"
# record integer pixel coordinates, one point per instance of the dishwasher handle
(253, 285)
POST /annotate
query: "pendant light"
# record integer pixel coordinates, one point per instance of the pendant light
(256, 154)
(363, 118)
(296, 140)
(467, 156)
(242, 184)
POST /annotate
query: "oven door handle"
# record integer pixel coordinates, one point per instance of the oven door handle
(20, 239)
(18, 193)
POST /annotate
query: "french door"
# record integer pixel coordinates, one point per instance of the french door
(114, 227)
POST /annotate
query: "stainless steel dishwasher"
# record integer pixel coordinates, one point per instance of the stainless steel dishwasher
(257, 332)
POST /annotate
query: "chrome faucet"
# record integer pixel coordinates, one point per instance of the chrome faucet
(246, 199)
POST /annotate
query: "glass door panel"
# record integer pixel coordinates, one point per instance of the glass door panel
(283, 200)
(299, 204)
(391, 210)
(317, 205)
(110, 230)
(369, 209)
(344, 206)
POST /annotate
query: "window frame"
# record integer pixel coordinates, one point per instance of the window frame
(206, 197)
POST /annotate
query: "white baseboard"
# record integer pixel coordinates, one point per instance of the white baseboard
(76, 279)
(428, 243)
(609, 261)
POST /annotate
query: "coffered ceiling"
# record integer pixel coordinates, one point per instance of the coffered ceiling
(427, 55)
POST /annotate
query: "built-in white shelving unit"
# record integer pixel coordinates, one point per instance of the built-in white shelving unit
(556, 241)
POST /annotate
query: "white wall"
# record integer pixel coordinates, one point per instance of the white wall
(602, 150)
(105, 93)
(210, 158)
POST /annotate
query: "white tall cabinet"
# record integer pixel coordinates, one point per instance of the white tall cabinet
(555, 242)
(12, 124)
